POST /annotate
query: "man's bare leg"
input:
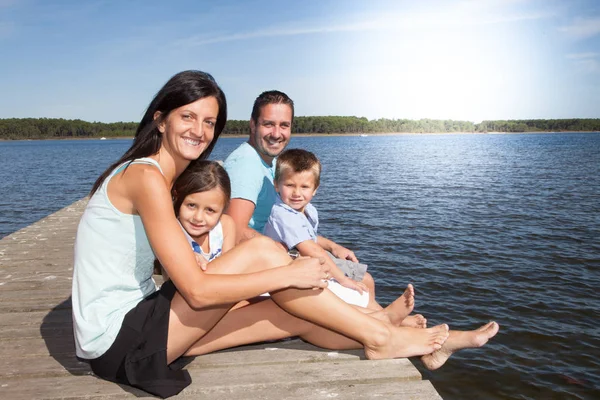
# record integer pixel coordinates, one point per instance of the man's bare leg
(460, 340)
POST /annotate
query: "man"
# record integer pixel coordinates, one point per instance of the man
(251, 168)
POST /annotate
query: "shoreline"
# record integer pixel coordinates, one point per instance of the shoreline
(237, 136)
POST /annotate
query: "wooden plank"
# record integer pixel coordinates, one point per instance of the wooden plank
(37, 357)
(58, 316)
(235, 379)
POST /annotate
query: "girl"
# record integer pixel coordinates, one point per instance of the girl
(200, 196)
(131, 332)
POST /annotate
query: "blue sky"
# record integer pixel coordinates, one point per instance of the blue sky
(103, 60)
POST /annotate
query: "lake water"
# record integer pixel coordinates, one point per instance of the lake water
(503, 227)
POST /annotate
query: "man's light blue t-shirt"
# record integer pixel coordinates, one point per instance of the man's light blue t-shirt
(252, 179)
(291, 227)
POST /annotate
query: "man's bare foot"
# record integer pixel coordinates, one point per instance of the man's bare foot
(408, 342)
(460, 340)
(415, 321)
(402, 306)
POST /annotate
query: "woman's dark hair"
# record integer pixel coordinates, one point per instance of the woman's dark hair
(184, 88)
(200, 176)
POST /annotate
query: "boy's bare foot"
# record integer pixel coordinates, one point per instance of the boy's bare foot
(402, 306)
(408, 342)
(380, 315)
(415, 321)
(460, 340)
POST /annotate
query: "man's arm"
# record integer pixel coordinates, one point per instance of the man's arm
(241, 210)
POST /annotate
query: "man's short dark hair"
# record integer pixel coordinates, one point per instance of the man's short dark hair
(270, 97)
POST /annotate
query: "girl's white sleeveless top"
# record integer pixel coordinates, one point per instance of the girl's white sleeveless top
(112, 270)
(215, 242)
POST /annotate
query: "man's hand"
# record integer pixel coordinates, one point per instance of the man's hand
(343, 253)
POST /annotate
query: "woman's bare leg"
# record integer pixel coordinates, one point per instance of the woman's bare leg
(264, 321)
(460, 340)
(187, 325)
(323, 308)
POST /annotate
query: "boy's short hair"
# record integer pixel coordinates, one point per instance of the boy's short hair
(297, 160)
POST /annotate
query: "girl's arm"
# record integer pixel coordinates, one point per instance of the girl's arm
(311, 249)
(148, 192)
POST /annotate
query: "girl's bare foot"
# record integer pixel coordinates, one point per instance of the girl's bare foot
(402, 306)
(408, 342)
(415, 321)
(460, 340)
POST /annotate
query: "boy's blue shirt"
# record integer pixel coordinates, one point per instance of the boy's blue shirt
(291, 227)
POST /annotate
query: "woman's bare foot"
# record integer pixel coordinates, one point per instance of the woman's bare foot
(460, 340)
(402, 306)
(415, 321)
(408, 342)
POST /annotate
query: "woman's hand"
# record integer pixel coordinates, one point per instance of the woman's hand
(308, 273)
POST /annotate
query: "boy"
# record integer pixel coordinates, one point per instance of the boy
(294, 221)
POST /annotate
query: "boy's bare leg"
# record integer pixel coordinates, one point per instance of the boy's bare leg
(415, 321)
(369, 282)
(460, 340)
(398, 312)
(402, 306)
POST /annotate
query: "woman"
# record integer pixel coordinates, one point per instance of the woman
(131, 332)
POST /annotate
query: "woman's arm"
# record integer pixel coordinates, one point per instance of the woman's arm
(151, 199)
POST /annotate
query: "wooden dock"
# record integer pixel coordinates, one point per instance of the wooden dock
(37, 354)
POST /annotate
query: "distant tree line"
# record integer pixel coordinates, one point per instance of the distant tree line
(58, 128)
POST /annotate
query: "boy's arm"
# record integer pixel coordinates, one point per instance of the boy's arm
(335, 249)
(309, 248)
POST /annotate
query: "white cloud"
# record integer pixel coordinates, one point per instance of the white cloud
(581, 56)
(199, 40)
(461, 14)
(583, 28)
